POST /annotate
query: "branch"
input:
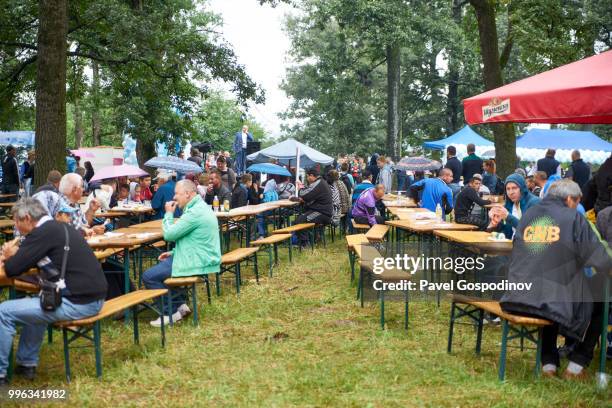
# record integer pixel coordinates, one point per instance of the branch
(19, 44)
(505, 54)
(122, 61)
(14, 76)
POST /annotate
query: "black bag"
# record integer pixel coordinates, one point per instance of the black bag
(51, 292)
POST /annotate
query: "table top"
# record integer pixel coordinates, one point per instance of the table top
(7, 195)
(135, 210)
(391, 201)
(155, 224)
(126, 238)
(7, 223)
(493, 198)
(7, 205)
(477, 239)
(428, 226)
(111, 214)
(286, 203)
(403, 212)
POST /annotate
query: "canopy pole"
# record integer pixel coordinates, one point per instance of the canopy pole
(297, 170)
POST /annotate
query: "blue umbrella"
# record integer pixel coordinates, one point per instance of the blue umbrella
(269, 168)
(175, 164)
(418, 164)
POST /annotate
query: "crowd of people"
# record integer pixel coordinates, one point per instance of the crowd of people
(330, 195)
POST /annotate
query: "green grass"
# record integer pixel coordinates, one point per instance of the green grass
(301, 339)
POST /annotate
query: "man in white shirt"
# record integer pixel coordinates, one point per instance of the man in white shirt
(240, 144)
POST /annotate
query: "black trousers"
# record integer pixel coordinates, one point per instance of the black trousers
(474, 220)
(310, 216)
(10, 189)
(583, 351)
(364, 220)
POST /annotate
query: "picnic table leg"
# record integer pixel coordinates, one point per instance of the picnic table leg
(451, 327)
(270, 259)
(218, 283)
(290, 250)
(382, 309)
(538, 370)
(98, 351)
(602, 377)
(126, 276)
(479, 330)
(194, 303)
(237, 273)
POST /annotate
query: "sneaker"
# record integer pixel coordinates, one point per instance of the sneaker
(184, 310)
(491, 319)
(583, 375)
(28, 373)
(176, 317)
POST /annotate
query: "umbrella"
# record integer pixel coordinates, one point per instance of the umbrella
(82, 153)
(489, 154)
(175, 164)
(418, 164)
(286, 151)
(269, 168)
(124, 170)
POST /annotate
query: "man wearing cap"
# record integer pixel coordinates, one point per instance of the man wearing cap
(10, 173)
(318, 205)
(466, 199)
(164, 193)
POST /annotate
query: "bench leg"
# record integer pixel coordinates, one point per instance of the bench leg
(451, 327)
(270, 259)
(290, 250)
(352, 264)
(479, 330)
(406, 310)
(194, 302)
(218, 282)
(66, 354)
(237, 273)
(135, 322)
(275, 248)
(163, 326)
(256, 267)
(207, 283)
(97, 347)
(538, 368)
(502, 354)
(382, 309)
(169, 308)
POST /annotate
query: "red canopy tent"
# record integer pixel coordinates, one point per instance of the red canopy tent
(580, 92)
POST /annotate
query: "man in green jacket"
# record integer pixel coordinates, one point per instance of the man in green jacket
(197, 248)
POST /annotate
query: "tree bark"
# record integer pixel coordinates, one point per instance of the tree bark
(79, 132)
(145, 149)
(51, 88)
(95, 98)
(394, 129)
(452, 102)
(505, 140)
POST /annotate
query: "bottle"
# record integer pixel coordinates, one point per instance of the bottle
(439, 212)
(226, 205)
(216, 204)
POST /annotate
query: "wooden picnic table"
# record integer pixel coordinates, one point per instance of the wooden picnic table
(477, 241)
(8, 195)
(428, 226)
(7, 205)
(405, 213)
(7, 224)
(402, 202)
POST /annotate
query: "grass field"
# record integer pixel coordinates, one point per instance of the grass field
(301, 339)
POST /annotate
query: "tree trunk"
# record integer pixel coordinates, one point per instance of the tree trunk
(452, 103)
(51, 88)
(145, 149)
(95, 98)
(505, 141)
(79, 132)
(394, 129)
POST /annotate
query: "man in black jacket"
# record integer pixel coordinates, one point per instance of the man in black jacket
(465, 203)
(318, 205)
(10, 173)
(44, 245)
(453, 163)
(579, 171)
(548, 164)
(471, 164)
(216, 188)
(553, 245)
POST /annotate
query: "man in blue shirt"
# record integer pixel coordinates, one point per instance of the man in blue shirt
(435, 191)
(164, 193)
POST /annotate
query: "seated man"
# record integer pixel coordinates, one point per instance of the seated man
(82, 297)
(240, 195)
(364, 210)
(318, 206)
(197, 250)
(552, 246)
(539, 179)
(518, 200)
(164, 193)
(435, 190)
(216, 188)
(466, 199)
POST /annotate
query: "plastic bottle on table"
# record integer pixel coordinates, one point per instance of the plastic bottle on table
(216, 204)
(439, 212)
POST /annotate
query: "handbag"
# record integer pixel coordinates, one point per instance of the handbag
(50, 294)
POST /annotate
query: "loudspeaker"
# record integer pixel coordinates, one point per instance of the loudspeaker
(253, 147)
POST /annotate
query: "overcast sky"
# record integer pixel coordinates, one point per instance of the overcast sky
(256, 35)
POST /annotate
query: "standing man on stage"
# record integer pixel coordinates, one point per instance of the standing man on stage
(240, 145)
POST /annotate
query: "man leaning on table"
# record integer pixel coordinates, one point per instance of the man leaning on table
(83, 295)
(197, 247)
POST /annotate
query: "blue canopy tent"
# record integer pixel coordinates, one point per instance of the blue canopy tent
(532, 145)
(460, 140)
(17, 138)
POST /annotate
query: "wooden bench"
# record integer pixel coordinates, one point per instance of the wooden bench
(359, 227)
(230, 262)
(299, 227)
(353, 246)
(188, 283)
(377, 233)
(82, 327)
(271, 243)
(513, 326)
